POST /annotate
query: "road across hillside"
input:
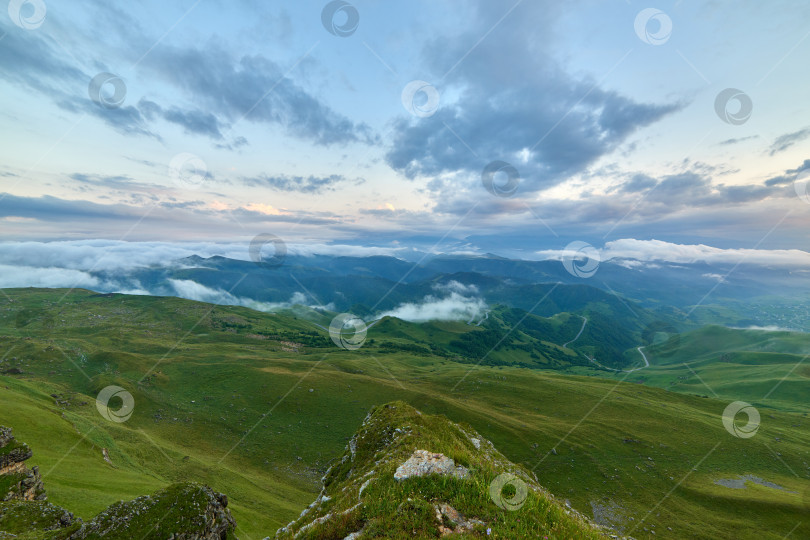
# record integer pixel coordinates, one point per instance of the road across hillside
(584, 322)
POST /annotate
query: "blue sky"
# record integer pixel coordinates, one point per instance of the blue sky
(238, 118)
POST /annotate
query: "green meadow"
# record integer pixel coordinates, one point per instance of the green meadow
(258, 405)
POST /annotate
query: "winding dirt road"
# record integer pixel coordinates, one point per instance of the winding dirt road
(584, 322)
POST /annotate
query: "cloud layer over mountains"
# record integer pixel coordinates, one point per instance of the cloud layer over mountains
(108, 266)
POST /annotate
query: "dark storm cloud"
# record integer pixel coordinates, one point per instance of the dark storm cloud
(526, 105)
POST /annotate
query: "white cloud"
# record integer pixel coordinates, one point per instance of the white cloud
(658, 250)
(620, 251)
(112, 255)
(455, 286)
(629, 263)
(452, 308)
(191, 290)
(29, 276)
(768, 328)
(717, 277)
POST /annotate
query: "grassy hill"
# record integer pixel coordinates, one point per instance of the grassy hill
(765, 368)
(258, 405)
(386, 485)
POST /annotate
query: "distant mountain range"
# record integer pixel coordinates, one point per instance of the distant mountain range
(684, 294)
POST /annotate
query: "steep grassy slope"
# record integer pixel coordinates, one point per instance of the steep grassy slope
(258, 405)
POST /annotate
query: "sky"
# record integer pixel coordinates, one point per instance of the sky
(475, 126)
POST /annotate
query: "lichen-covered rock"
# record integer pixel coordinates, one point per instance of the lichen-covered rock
(423, 463)
(5, 436)
(453, 522)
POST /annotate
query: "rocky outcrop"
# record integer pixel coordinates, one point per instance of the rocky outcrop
(458, 524)
(406, 474)
(18, 481)
(183, 511)
(36, 519)
(24, 512)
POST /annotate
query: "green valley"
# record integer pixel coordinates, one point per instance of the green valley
(258, 405)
